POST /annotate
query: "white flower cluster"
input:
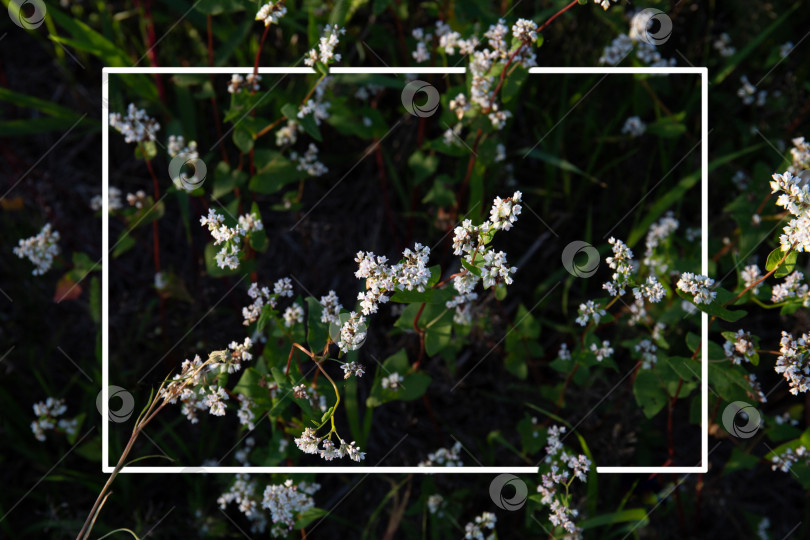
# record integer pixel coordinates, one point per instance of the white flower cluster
(755, 389)
(331, 308)
(435, 503)
(294, 314)
(316, 106)
(352, 333)
(308, 162)
(39, 249)
(789, 457)
(564, 468)
(288, 134)
(271, 12)
(469, 241)
(230, 238)
(723, 45)
(352, 368)
(699, 286)
(647, 349)
(604, 3)
(310, 443)
(795, 198)
(287, 501)
(421, 54)
(449, 40)
(525, 30)
(382, 279)
(634, 127)
(622, 264)
(474, 530)
(801, 156)
(248, 82)
(215, 399)
(246, 416)
(243, 493)
(238, 353)
(656, 236)
(392, 382)
(136, 199)
(136, 126)
(113, 200)
(47, 413)
(741, 349)
(793, 363)
(444, 457)
(325, 53)
(792, 287)
(748, 93)
(652, 290)
(176, 146)
(588, 311)
(262, 295)
(602, 352)
(564, 353)
(636, 39)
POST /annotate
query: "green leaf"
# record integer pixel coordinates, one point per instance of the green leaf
(413, 386)
(243, 139)
(422, 165)
(786, 267)
(639, 515)
(308, 516)
(666, 128)
(275, 175)
(317, 331)
(559, 163)
(715, 309)
(649, 394)
(124, 243)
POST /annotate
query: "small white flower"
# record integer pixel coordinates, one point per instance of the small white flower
(603, 352)
(40, 249)
(392, 382)
(699, 286)
(136, 126)
(292, 315)
(634, 127)
(271, 12)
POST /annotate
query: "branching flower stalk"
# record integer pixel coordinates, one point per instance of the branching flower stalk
(168, 392)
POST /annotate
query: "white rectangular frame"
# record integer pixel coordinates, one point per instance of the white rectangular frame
(105, 236)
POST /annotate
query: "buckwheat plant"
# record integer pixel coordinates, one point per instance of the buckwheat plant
(40, 249)
(561, 470)
(284, 503)
(48, 413)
